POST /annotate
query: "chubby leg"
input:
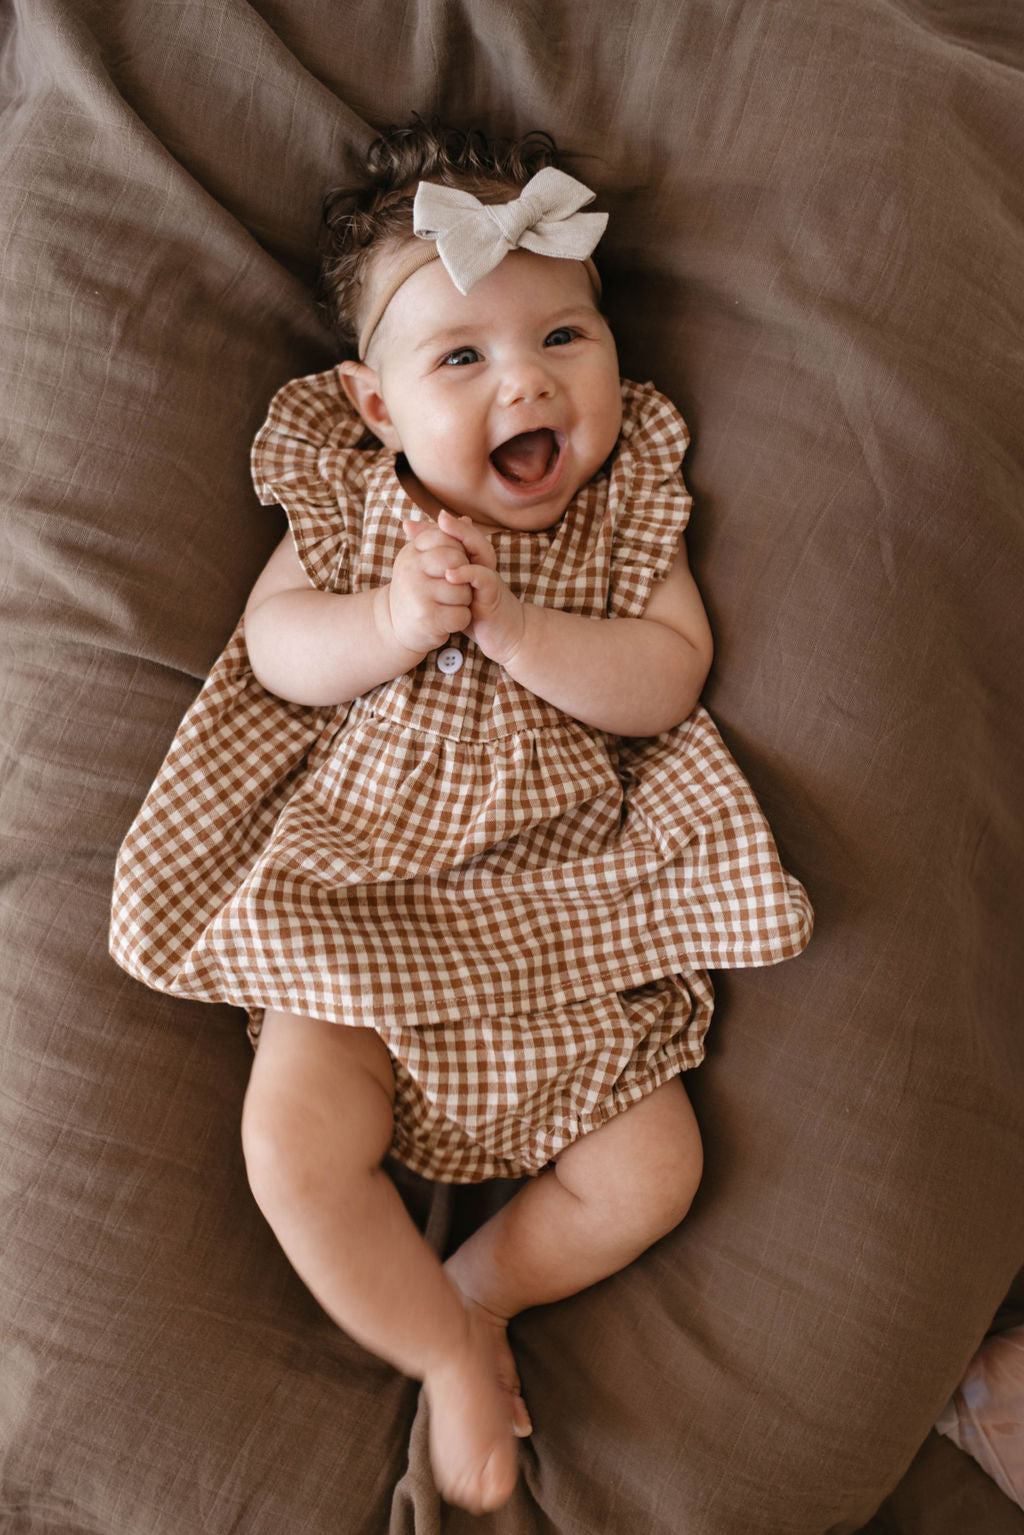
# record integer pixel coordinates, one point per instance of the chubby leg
(608, 1197)
(316, 1126)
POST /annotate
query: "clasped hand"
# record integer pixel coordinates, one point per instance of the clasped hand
(445, 581)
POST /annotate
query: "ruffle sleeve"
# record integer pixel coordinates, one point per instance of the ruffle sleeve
(647, 500)
(311, 456)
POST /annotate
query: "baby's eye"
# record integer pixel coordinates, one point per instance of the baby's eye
(561, 337)
(461, 357)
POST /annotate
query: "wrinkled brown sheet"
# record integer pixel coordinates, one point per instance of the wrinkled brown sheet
(817, 248)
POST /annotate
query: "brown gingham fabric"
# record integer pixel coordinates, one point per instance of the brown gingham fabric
(451, 848)
(515, 1091)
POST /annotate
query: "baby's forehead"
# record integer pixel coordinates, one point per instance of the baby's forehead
(523, 288)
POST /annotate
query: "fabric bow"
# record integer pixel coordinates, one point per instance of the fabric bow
(473, 237)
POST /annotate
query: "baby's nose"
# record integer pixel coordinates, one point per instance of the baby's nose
(525, 381)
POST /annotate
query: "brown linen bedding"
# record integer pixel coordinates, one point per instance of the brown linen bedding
(816, 248)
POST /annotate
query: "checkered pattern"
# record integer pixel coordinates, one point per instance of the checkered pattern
(450, 860)
(519, 1090)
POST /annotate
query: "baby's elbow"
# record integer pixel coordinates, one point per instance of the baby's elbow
(269, 658)
(253, 634)
(704, 654)
(680, 701)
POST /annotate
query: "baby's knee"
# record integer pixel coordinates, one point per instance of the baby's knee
(667, 1169)
(643, 1168)
(684, 1181)
(683, 1164)
(665, 1188)
(652, 1199)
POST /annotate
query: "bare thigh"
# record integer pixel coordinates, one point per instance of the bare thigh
(316, 1082)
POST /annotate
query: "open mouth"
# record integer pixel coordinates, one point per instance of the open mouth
(529, 458)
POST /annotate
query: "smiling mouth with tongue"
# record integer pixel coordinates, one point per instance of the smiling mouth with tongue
(528, 458)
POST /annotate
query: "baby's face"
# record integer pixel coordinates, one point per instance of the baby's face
(504, 400)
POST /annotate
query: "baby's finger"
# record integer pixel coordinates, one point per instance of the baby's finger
(413, 526)
(473, 538)
(427, 535)
(482, 578)
(424, 529)
(454, 593)
(437, 562)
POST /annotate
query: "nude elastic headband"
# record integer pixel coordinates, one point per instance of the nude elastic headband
(471, 238)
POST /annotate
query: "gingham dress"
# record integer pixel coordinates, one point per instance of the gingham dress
(522, 907)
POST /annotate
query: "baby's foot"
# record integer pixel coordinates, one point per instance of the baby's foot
(472, 1438)
(505, 1364)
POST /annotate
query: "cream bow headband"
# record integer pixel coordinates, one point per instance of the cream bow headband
(471, 238)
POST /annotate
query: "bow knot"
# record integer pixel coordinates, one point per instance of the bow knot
(514, 219)
(473, 237)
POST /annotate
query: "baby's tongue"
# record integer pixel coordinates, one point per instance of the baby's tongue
(525, 458)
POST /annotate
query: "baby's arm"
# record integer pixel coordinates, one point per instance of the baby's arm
(629, 676)
(317, 647)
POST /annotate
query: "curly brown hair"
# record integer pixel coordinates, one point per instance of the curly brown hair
(359, 220)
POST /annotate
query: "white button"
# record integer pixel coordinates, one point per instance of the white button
(449, 659)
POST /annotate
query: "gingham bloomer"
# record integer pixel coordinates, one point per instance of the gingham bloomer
(522, 907)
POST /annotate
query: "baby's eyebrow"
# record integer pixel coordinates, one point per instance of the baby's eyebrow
(443, 338)
(463, 332)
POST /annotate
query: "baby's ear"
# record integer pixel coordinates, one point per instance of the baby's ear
(362, 386)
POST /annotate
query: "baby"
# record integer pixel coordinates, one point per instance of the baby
(447, 818)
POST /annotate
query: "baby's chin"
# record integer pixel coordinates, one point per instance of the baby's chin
(519, 518)
(500, 501)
